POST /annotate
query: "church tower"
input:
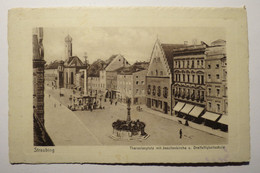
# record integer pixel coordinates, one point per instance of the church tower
(68, 47)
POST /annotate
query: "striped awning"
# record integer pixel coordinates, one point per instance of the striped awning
(178, 106)
(210, 116)
(187, 108)
(196, 111)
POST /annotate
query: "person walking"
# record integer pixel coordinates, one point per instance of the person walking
(180, 133)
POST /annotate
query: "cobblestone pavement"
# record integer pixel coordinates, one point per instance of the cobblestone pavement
(95, 128)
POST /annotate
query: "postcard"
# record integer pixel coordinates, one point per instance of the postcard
(143, 85)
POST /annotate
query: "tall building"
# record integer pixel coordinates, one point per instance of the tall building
(38, 74)
(216, 82)
(41, 137)
(159, 77)
(68, 47)
(189, 81)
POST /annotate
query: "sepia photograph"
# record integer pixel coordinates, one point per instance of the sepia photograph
(129, 86)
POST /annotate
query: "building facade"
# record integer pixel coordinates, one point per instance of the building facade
(131, 84)
(159, 77)
(139, 86)
(189, 81)
(216, 81)
(40, 135)
(108, 75)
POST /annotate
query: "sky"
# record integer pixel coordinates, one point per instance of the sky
(134, 43)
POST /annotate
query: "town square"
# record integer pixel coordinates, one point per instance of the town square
(172, 94)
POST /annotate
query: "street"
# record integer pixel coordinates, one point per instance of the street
(66, 127)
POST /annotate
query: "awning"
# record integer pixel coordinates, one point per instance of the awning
(196, 111)
(187, 108)
(178, 106)
(223, 119)
(210, 116)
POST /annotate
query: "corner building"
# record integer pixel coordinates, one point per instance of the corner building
(216, 83)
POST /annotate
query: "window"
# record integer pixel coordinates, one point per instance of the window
(218, 107)
(209, 66)
(217, 65)
(201, 62)
(154, 90)
(183, 64)
(136, 91)
(183, 78)
(158, 91)
(192, 65)
(142, 82)
(165, 92)
(136, 76)
(188, 78)
(209, 76)
(193, 78)
(209, 91)
(179, 64)
(218, 92)
(198, 79)
(188, 64)
(136, 82)
(156, 72)
(161, 73)
(209, 104)
(217, 76)
(119, 59)
(198, 62)
(202, 79)
(149, 90)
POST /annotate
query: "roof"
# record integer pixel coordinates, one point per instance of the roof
(73, 61)
(95, 67)
(143, 64)
(109, 60)
(168, 49)
(129, 70)
(54, 65)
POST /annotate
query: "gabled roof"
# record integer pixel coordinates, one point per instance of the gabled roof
(168, 50)
(73, 61)
(109, 60)
(95, 67)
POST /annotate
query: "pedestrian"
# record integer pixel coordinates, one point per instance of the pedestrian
(49, 95)
(180, 133)
(55, 105)
(116, 103)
